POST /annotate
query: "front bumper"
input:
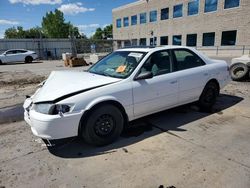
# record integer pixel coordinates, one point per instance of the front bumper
(52, 126)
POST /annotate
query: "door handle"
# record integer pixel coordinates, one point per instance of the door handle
(173, 82)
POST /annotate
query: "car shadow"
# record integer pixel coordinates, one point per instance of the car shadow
(21, 63)
(152, 125)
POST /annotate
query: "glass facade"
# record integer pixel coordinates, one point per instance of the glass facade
(177, 40)
(210, 5)
(193, 7)
(153, 16)
(134, 20)
(164, 14)
(143, 18)
(125, 22)
(164, 40)
(119, 23)
(208, 39)
(231, 3)
(178, 11)
(191, 40)
(228, 38)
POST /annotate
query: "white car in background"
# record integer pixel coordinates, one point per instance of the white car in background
(18, 55)
(125, 85)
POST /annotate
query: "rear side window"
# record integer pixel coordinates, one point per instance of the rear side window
(185, 59)
(21, 51)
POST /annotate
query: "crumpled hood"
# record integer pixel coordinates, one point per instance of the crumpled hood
(63, 83)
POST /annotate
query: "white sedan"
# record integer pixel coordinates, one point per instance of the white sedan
(18, 55)
(125, 85)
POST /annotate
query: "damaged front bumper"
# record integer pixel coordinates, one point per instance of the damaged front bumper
(51, 126)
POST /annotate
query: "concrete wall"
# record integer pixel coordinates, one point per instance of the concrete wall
(221, 20)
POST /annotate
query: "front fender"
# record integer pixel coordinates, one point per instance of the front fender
(100, 100)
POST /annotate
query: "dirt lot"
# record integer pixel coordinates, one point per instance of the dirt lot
(176, 148)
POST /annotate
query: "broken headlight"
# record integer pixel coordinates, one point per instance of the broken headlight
(52, 109)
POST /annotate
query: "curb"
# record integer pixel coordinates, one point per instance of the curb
(11, 114)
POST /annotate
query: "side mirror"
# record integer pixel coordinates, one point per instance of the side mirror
(4, 53)
(144, 75)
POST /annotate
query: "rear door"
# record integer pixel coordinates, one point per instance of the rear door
(192, 74)
(20, 55)
(159, 92)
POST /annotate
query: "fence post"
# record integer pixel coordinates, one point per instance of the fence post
(243, 49)
(217, 50)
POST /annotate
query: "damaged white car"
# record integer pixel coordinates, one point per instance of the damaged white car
(125, 85)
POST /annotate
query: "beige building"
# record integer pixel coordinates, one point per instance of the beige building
(200, 23)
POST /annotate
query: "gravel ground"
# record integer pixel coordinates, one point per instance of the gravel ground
(175, 148)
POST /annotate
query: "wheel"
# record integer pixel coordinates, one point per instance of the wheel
(208, 97)
(238, 71)
(28, 59)
(103, 126)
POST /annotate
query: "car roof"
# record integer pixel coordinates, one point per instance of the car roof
(151, 49)
(18, 49)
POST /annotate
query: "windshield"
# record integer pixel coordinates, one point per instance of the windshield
(118, 64)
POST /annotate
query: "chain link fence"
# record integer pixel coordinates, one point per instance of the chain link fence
(53, 48)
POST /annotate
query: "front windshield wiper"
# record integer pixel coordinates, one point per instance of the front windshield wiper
(99, 73)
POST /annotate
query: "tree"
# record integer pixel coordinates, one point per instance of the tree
(98, 34)
(106, 33)
(10, 33)
(54, 26)
(20, 33)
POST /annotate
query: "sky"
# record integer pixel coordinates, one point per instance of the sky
(87, 15)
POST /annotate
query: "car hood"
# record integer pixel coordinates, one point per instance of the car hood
(63, 84)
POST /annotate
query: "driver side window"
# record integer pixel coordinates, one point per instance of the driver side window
(158, 63)
(11, 52)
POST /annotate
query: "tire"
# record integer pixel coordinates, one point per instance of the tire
(103, 126)
(208, 97)
(239, 71)
(28, 59)
(1, 62)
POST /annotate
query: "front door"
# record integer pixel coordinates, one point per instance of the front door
(159, 92)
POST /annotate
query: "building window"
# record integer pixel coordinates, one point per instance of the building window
(164, 40)
(193, 7)
(119, 23)
(125, 22)
(153, 41)
(177, 11)
(127, 43)
(134, 20)
(143, 42)
(208, 39)
(153, 16)
(164, 14)
(231, 3)
(210, 5)
(134, 42)
(143, 18)
(191, 39)
(177, 40)
(228, 38)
